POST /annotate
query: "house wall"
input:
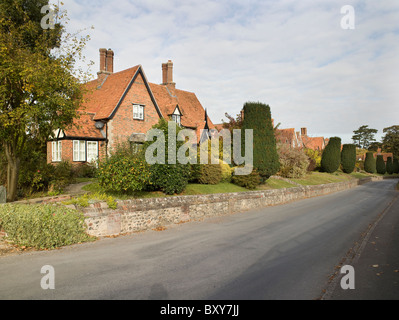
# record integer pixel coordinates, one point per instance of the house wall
(67, 151)
(122, 125)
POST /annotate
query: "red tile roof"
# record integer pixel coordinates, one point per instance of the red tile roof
(314, 143)
(83, 127)
(103, 96)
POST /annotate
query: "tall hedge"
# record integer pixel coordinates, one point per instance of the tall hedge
(395, 166)
(331, 158)
(370, 163)
(348, 158)
(380, 165)
(168, 178)
(390, 169)
(257, 116)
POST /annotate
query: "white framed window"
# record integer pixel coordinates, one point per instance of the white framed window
(92, 151)
(136, 147)
(79, 151)
(176, 118)
(56, 149)
(138, 112)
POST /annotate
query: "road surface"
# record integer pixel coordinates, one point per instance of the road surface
(290, 251)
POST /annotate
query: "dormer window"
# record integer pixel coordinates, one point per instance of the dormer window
(176, 116)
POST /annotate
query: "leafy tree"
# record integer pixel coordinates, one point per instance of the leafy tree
(364, 136)
(348, 158)
(380, 164)
(257, 116)
(391, 140)
(370, 163)
(331, 158)
(390, 169)
(39, 88)
(374, 146)
(233, 123)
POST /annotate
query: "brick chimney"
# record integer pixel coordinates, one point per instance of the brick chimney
(167, 74)
(304, 131)
(106, 63)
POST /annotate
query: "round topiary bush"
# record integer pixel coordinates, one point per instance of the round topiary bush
(348, 158)
(389, 166)
(370, 163)
(331, 158)
(380, 165)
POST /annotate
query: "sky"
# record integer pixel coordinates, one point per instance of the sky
(296, 56)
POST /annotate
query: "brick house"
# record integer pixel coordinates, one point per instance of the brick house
(300, 139)
(379, 152)
(295, 139)
(124, 106)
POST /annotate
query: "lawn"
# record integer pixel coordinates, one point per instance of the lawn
(314, 178)
(276, 184)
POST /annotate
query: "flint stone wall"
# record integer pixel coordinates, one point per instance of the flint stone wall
(146, 214)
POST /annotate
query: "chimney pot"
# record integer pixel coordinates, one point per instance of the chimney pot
(304, 131)
(103, 58)
(110, 61)
(167, 74)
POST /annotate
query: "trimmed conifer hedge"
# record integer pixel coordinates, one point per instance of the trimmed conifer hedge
(348, 158)
(331, 158)
(380, 165)
(390, 165)
(395, 166)
(257, 116)
(370, 163)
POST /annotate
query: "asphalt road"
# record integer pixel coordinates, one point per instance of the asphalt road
(290, 251)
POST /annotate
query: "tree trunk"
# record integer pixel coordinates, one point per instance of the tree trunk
(12, 173)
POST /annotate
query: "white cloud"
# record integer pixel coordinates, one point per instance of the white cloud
(290, 54)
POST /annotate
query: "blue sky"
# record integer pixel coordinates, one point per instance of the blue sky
(292, 55)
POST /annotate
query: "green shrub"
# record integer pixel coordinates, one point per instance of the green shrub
(380, 164)
(257, 116)
(389, 166)
(294, 163)
(170, 178)
(210, 174)
(43, 226)
(370, 163)
(124, 173)
(395, 166)
(195, 173)
(331, 158)
(227, 172)
(250, 181)
(84, 200)
(348, 158)
(85, 170)
(314, 159)
(359, 166)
